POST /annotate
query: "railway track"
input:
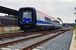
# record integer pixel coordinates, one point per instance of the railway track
(28, 42)
(48, 37)
(18, 34)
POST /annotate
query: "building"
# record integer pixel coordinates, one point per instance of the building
(68, 24)
(8, 23)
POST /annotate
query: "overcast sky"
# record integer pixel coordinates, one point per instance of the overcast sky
(56, 8)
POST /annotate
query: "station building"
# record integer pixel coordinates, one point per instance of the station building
(8, 23)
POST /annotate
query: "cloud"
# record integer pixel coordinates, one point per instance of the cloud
(67, 1)
(57, 8)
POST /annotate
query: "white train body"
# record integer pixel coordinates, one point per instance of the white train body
(30, 19)
(53, 21)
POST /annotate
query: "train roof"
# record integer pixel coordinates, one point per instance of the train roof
(46, 15)
(38, 12)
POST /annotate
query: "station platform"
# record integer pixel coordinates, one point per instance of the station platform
(62, 42)
(73, 43)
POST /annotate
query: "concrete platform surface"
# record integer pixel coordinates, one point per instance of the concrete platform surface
(62, 42)
(73, 44)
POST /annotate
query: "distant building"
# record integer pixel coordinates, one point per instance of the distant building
(68, 24)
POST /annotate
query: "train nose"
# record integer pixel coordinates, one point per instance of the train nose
(26, 21)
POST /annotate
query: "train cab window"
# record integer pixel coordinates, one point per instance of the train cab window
(47, 19)
(27, 14)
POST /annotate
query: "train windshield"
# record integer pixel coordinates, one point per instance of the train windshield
(27, 14)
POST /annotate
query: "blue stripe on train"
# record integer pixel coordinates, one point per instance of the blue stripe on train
(43, 22)
(24, 20)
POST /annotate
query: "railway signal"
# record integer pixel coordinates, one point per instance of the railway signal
(75, 20)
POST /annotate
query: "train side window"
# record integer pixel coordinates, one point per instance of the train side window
(47, 19)
(56, 21)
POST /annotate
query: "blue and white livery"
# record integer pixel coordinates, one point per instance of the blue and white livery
(31, 19)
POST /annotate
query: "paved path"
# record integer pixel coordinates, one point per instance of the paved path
(62, 42)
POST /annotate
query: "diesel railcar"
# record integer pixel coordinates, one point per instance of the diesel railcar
(31, 19)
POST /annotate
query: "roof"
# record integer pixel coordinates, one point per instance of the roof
(8, 11)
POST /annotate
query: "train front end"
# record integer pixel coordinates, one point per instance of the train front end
(27, 18)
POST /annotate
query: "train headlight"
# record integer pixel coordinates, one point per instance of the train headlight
(30, 20)
(23, 20)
